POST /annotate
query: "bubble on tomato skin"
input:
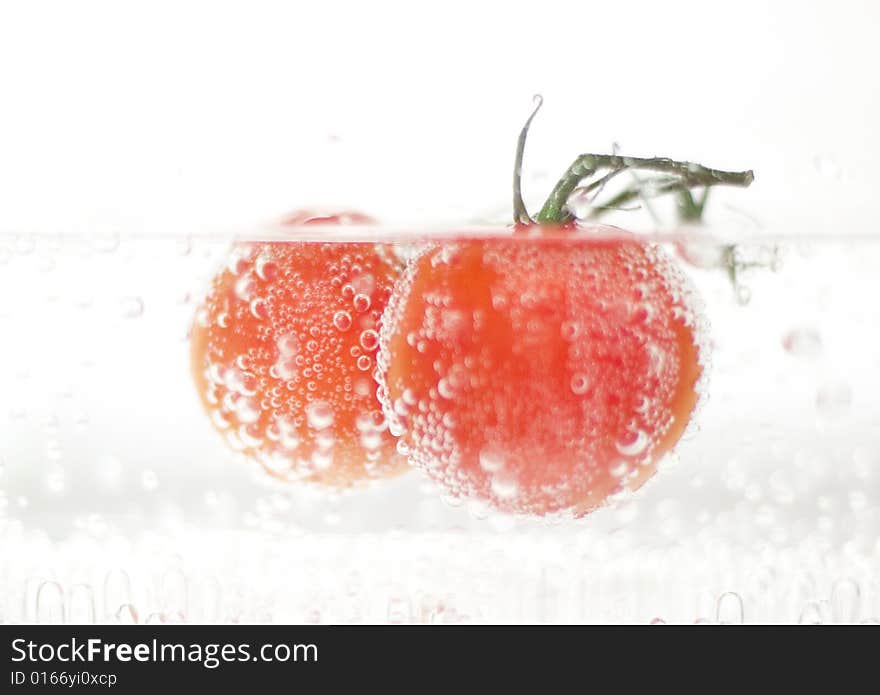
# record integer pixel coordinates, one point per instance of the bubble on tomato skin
(258, 309)
(492, 459)
(132, 307)
(266, 268)
(633, 443)
(579, 384)
(239, 260)
(570, 330)
(361, 303)
(322, 460)
(369, 340)
(504, 485)
(247, 410)
(246, 287)
(319, 415)
(342, 320)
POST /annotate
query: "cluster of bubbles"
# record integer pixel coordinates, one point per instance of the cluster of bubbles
(401, 577)
(791, 535)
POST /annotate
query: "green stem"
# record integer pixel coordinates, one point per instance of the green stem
(660, 186)
(520, 213)
(689, 175)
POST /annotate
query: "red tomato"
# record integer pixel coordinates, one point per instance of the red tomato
(283, 352)
(542, 374)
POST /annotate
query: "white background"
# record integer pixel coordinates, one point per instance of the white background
(179, 117)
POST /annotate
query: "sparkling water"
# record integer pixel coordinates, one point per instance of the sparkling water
(119, 503)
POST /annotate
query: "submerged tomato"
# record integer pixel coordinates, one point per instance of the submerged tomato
(542, 374)
(283, 351)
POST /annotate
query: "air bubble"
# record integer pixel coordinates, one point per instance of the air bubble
(288, 344)
(364, 363)
(247, 410)
(342, 320)
(492, 459)
(369, 340)
(633, 444)
(266, 269)
(570, 330)
(319, 415)
(361, 302)
(579, 384)
(445, 389)
(258, 309)
(246, 287)
(504, 486)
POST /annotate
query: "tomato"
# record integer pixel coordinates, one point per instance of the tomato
(540, 374)
(283, 351)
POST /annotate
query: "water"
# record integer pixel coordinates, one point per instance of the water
(120, 503)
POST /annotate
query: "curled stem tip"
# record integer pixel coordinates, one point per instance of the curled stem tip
(520, 213)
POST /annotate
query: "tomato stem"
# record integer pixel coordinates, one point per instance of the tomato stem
(520, 213)
(680, 176)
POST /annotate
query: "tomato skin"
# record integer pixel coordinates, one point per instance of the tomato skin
(540, 375)
(280, 359)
